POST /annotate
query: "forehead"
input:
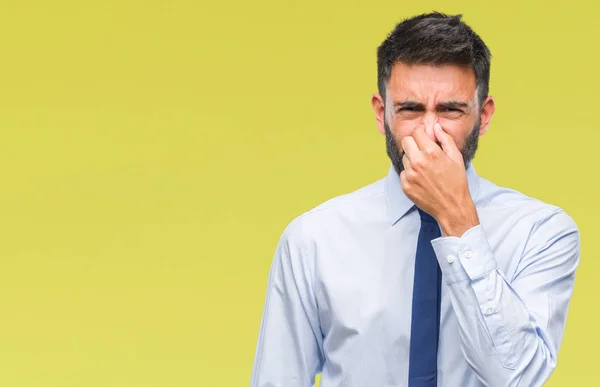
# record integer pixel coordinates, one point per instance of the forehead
(427, 83)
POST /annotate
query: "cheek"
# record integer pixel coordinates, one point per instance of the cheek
(459, 135)
(452, 126)
(457, 129)
(403, 128)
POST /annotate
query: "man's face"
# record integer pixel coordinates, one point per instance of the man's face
(421, 95)
(467, 150)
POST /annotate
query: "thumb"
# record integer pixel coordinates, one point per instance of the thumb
(448, 144)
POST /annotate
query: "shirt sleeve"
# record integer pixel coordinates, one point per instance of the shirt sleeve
(511, 329)
(289, 349)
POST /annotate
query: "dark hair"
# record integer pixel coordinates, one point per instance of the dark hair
(434, 39)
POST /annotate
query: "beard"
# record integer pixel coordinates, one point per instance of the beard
(468, 150)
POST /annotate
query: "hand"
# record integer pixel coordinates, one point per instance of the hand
(435, 180)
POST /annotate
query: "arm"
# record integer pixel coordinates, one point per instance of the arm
(511, 330)
(288, 352)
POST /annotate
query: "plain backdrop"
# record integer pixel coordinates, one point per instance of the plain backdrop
(152, 152)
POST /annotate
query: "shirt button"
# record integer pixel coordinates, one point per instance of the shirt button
(468, 254)
(451, 258)
(489, 311)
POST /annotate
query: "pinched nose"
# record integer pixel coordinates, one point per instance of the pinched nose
(427, 124)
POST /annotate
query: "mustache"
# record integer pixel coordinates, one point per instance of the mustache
(395, 152)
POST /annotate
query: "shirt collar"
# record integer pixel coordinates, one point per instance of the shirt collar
(398, 204)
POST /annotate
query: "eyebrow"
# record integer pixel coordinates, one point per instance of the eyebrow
(410, 104)
(440, 106)
(454, 105)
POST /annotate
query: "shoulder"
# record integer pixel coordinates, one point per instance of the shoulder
(357, 207)
(504, 204)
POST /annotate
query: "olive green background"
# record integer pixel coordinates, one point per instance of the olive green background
(151, 153)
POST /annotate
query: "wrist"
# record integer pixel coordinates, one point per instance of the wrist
(459, 220)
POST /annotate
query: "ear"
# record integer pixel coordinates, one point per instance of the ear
(379, 109)
(487, 111)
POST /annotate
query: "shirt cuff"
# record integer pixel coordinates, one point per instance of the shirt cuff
(467, 257)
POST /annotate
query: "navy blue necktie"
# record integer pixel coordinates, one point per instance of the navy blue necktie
(425, 321)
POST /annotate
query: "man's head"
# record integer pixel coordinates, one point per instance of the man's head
(433, 68)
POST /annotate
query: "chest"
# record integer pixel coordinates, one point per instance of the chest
(364, 281)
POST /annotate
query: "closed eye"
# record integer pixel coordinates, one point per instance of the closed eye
(411, 109)
(408, 109)
(453, 107)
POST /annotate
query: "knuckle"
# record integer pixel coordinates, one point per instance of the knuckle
(403, 180)
(418, 163)
(431, 152)
(411, 176)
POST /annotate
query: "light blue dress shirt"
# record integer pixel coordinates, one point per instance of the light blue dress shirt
(339, 292)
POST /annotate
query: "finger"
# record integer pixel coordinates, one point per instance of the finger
(403, 179)
(448, 143)
(406, 163)
(424, 142)
(409, 146)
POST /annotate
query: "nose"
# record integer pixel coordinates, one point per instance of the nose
(429, 120)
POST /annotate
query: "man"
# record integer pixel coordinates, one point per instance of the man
(431, 276)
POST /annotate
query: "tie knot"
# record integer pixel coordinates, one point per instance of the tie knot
(425, 217)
